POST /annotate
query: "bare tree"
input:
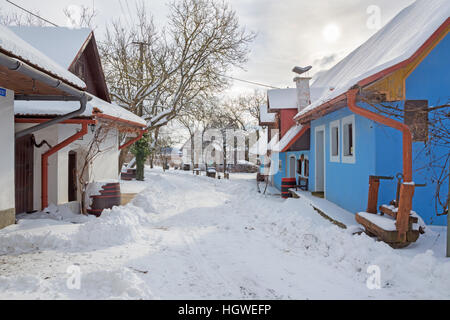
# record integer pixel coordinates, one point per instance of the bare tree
(156, 74)
(95, 148)
(196, 118)
(81, 16)
(21, 19)
(436, 150)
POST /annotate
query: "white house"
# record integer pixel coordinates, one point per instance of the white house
(49, 117)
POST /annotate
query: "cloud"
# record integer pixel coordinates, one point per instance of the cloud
(326, 60)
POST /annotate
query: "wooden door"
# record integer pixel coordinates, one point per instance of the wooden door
(73, 190)
(24, 174)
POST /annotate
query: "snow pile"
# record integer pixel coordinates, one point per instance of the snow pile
(94, 188)
(69, 212)
(115, 227)
(351, 255)
(107, 284)
(191, 237)
(112, 284)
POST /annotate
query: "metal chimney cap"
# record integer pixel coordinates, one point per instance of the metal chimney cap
(301, 70)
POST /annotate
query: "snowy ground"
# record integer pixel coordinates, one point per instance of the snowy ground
(189, 237)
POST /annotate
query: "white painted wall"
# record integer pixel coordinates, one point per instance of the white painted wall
(51, 135)
(104, 167)
(7, 186)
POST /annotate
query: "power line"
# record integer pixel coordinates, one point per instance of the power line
(251, 82)
(31, 13)
(128, 22)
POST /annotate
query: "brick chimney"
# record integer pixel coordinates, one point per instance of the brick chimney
(303, 92)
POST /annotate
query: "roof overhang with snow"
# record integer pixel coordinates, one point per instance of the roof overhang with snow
(279, 99)
(404, 40)
(293, 134)
(71, 48)
(16, 48)
(96, 109)
(266, 118)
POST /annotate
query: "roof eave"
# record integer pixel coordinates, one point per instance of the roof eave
(317, 112)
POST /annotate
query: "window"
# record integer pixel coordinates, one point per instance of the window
(280, 165)
(416, 118)
(299, 167)
(348, 146)
(334, 141)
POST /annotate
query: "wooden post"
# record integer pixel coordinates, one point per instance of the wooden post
(374, 187)
(404, 210)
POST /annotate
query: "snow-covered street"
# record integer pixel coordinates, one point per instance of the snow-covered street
(189, 237)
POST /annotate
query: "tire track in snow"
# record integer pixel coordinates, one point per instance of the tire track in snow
(203, 264)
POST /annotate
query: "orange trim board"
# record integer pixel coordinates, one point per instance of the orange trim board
(107, 117)
(298, 136)
(79, 121)
(41, 120)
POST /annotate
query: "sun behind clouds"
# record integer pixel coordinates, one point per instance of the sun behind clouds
(331, 32)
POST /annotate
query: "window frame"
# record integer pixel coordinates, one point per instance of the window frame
(334, 125)
(350, 120)
(300, 166)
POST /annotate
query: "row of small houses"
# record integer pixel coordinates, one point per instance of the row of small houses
(53, 100)
(334, 139)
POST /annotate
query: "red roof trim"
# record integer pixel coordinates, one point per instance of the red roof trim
(298, 136)
(128, 122)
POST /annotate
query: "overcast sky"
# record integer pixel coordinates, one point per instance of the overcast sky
(290, 32)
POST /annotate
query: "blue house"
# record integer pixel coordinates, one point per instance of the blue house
(383, 111)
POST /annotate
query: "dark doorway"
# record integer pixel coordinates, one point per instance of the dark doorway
(73, 190)
(24, 174)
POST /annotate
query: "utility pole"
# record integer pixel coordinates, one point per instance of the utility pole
(141, 45)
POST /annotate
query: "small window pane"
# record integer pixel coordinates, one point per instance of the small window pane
(306, 171)
(335, 141)
(348, 140)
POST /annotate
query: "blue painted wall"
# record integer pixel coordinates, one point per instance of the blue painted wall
(430, 81)
(284, 172)
(346, 184)
(378, 149)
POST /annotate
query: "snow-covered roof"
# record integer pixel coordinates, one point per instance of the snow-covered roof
(56, 108)
(288, 136)
(15, 46)
(265, 116)
(60, 44)
(396, 42)
(282, 98)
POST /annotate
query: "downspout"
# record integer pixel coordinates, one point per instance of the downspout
(407, 188)
(55, 149)
(407, 136)
(23, 68)
(129, 143)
